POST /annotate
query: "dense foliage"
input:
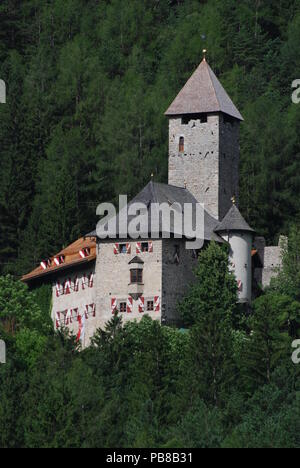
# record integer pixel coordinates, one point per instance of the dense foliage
(87, 85)
(227, 381)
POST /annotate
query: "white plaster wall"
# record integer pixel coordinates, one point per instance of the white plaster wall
(113, 279)
(240, 257)
(77, 300)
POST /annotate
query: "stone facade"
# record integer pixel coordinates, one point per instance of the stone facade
(208, 164)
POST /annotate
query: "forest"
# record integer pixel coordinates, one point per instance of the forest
(225, 380)
(88, 82)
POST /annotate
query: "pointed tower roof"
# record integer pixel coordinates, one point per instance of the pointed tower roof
(233, 221)
(203, 93)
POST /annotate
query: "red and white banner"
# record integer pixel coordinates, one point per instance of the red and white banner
(116, 249)
(81, 328)
(141, 304)
(157, 304)
(113, 305)
(129, 305)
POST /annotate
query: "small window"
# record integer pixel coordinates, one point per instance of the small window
(150, 306)
(181, 144)
(145, 246)
(122, 307)
(136, 276)
(122, 248)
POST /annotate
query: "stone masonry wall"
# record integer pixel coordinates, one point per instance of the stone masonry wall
(228, 165)
(198, 165)
(209, 164)
(177, 276)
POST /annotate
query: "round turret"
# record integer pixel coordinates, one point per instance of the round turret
(239, 235)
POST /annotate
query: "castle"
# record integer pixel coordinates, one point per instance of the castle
(93, 278)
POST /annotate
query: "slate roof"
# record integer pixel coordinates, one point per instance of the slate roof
(157, 193)
(203, 93)
(233, 221)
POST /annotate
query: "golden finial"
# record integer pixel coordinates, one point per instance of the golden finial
(204, 54)
(152, 175)
(233, 200)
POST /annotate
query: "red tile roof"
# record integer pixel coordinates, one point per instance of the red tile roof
(71, 258)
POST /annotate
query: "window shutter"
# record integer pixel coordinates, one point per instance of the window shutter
(91, 280)
(128, 248)
(129, 305)
(141, 304)
(138, 248)
(150, 246)
(58, 290)
(157, 304)
(116, 249)
(113, 305)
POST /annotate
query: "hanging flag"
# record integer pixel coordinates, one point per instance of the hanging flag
(157, 304)
(113, 305)
(129, 305)
(141, 304)
(81, 328)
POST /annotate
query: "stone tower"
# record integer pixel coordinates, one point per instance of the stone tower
(204, 141)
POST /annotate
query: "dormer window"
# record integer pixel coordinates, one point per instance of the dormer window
(46, 264)
(59, 260)
(85, 252)
(181, 144)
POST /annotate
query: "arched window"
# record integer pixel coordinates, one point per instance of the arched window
(181, 144)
